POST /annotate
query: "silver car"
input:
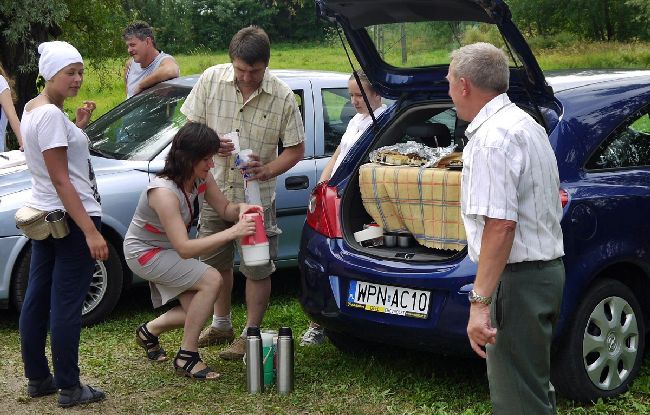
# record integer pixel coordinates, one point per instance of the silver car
(128, 147)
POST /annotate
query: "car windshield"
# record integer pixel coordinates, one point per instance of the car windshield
(420, 44)
(141, 127)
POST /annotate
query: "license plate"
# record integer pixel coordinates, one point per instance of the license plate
(388, 299)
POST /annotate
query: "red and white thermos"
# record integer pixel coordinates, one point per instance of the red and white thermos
(255, 248)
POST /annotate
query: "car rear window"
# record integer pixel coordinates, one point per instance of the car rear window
(420, 44)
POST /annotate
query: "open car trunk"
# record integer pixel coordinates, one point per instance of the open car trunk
(412, 124)
(361, 207)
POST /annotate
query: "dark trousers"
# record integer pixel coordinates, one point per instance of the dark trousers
(60, 272)
(525, 308)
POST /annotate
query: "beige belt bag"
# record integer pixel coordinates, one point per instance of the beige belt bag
(32, 222)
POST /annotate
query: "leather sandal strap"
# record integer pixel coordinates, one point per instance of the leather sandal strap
(149, 339)
(190, 358)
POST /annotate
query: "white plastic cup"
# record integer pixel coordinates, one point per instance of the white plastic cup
(252, 192)
(234, 138)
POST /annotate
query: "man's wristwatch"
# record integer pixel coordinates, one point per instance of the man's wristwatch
(474, 297)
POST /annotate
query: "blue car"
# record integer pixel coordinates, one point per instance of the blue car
(414, 294)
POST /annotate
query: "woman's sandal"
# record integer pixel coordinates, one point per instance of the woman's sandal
(150, 344)
(192, 359)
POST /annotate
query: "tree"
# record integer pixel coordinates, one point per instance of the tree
(23, 25)
(92, 26)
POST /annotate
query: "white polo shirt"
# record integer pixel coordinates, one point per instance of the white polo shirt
(510, 172)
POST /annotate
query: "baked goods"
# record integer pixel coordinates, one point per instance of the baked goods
(409, 154)
(395, 158)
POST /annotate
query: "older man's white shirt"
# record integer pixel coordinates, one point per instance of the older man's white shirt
(510, 172)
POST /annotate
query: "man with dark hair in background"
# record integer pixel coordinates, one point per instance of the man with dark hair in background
(147, 65)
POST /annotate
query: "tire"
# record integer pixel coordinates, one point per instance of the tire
(351, 345)
(104, 292)
(603, 347)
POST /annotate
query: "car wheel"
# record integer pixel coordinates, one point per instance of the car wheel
(603, 346)
(350, 345)
(104, 292)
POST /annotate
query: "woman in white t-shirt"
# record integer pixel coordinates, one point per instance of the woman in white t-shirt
(56, 151)
(7, 112)
(356, 127)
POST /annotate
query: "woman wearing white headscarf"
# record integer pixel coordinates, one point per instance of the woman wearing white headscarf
(56, 151)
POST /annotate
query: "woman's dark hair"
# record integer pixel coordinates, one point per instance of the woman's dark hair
(192, 143)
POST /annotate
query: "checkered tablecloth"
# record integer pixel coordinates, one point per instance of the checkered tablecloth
(422, 201)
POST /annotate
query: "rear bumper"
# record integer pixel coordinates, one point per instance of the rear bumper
(327, 269)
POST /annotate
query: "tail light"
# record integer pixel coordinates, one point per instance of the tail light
(564, 197)
(323, 211)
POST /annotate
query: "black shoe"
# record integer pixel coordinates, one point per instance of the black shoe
(41, 387)
(80, 394)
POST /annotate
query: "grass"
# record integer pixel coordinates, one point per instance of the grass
(392, 381)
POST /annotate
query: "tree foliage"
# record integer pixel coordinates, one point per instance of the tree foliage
(599, 20)
(90, 25)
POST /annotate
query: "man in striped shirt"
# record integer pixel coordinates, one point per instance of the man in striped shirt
(511, 210)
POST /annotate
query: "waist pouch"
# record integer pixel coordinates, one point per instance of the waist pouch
(32, 222)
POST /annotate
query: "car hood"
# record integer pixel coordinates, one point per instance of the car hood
(17, 178)
(392, 82)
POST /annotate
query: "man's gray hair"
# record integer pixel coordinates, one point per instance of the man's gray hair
(139, 29)
(483, 64)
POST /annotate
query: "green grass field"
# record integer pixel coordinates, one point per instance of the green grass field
(390, 381)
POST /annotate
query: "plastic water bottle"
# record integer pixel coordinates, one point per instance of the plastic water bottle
(254, 367)
(251, 187)
(284, 353)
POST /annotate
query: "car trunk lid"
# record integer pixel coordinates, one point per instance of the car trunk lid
(362, 20)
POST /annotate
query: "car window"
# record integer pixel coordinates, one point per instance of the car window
(427, 43)
(629, 146)
(299, 95)
(337, 113)
(141, 127)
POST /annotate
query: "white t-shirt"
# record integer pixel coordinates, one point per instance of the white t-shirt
(357, 125)
(3, 117)
(47, 127)
(510, 172)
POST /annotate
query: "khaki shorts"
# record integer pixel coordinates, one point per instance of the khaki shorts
(224, 257)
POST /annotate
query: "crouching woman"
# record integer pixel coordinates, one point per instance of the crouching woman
(158, 249)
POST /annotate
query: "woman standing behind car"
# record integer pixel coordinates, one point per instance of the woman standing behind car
(7, 112)
(158, 249)
(56, 151)
(357, 125)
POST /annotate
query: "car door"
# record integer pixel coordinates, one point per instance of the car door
(294, 186)
(621, 169)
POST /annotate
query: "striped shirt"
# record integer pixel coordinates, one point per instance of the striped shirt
(270, 115)
(510, 172)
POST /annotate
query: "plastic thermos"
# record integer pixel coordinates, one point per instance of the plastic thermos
(254, 367)
(284, 355)
(255, 248)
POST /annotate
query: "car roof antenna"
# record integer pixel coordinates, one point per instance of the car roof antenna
(356, 77)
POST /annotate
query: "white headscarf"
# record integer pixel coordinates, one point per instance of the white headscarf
(55, 56)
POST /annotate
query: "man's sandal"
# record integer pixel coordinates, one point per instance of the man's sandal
(150, 344)
(191, 359)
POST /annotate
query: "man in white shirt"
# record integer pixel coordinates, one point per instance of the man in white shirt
(511, 210)
(147, 65)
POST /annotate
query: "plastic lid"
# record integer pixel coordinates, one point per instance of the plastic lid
(284, 331)
(253, 332)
